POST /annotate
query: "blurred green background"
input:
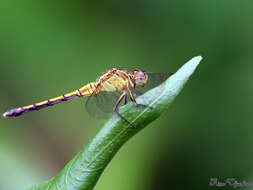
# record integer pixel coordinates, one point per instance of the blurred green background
(48, 48)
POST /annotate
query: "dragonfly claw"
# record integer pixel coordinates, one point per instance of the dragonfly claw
(144, 105)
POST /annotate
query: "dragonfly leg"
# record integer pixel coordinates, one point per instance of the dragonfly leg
(116, 109)
(125, 99)
(143, 105)
(134, 101)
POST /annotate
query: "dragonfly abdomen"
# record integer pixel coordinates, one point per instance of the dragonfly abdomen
(86, 90)
(89, 89)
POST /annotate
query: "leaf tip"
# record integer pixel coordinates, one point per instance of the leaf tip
(196, 59)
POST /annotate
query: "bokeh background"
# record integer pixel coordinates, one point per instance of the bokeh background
(48, 48)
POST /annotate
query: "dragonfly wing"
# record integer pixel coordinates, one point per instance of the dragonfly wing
(101, 105)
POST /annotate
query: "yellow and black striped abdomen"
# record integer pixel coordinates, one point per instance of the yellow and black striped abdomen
(87, 90)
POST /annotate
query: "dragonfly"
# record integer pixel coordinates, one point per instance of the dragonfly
(106, 94)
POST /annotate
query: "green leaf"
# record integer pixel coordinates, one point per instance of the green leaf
(84, 170)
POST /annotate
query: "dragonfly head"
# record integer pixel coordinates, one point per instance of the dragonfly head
(139, 77)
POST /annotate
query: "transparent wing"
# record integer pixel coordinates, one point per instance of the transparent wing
(101, 105)
(154, 79)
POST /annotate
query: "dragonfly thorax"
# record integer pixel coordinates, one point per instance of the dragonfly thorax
(115, 82)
